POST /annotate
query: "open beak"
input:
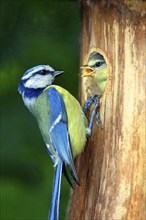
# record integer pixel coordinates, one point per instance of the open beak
(87, 71)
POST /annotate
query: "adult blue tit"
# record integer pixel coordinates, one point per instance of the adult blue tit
(97, 69)
(61, 120)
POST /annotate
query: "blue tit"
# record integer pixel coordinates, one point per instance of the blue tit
(61, 120)
(97, 69)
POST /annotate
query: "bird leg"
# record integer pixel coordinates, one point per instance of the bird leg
(93, 99)
(88, 103)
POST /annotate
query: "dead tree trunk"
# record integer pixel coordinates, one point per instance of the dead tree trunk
(111, 169)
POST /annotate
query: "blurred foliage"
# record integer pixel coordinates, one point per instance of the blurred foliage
(32, 33)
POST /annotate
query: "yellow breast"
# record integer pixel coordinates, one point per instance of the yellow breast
(77, 121)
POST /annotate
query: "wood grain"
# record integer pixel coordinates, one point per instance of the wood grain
(111, 169)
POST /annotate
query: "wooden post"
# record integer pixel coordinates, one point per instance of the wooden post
(111, 169)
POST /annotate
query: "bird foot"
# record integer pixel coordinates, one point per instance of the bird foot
(93, 99)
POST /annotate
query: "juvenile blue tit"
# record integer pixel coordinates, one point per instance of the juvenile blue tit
(61, 120)
(97, 69)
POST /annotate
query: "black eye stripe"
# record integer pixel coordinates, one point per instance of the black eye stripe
(42, 72)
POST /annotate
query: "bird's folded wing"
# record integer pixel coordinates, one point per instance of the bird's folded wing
(59, 128)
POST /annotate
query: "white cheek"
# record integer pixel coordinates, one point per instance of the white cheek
(39, 81)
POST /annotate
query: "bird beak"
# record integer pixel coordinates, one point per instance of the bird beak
(58, 72)
(87, 71)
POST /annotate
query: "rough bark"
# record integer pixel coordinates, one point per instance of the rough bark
(111, 169)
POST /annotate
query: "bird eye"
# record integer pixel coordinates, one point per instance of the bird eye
(42, 72)
(98, 64)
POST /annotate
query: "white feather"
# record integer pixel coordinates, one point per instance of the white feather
(56, 121)
(39, 68)
(28, 101)
(39, 81)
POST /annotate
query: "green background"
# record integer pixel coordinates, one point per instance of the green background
(32, 33)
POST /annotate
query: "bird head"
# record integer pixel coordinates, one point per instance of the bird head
(97, 68)
(37, 78)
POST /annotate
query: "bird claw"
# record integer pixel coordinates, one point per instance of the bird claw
(88, 103)
(93, 99)
(98, 121)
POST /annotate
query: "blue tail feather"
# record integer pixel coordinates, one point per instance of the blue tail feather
(54, 210)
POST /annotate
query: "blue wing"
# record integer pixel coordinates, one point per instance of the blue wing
(59, 128)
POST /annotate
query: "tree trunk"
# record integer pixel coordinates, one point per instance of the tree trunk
(111, 169)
